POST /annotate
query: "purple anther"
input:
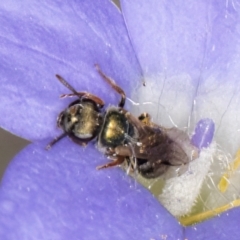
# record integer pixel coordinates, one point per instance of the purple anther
(203, 134)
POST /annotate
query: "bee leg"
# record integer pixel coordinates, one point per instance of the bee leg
(113, 85)
(124, 151)
(148, 170)
(145, 119)
(118, 161)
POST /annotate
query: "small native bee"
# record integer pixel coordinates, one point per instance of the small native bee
(85, 119)
(149, 148)
(160, 148)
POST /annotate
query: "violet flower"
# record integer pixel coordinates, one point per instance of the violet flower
(58, 194)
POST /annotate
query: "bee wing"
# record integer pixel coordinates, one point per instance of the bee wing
(162, 148)
(165, 146)
(175, 171)
(181, 143)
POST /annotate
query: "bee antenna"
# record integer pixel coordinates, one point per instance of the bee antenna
(55, 140)
(66, 84)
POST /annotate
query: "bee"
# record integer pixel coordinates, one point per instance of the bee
(149, 148)
(85, 119)
(160, 149)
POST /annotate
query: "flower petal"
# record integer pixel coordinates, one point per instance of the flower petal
(181, 40)
(170, 49)
(222, 228)
(199, 41)
(39, 40)
(168, 37)
(60, 195)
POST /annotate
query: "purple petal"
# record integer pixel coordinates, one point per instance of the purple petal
(203, 134)
(168, 36)
(222, 228)
(180, 36)
(171, 50)
(201, 40)
(40, 39)
(58, 194)
(194, 46)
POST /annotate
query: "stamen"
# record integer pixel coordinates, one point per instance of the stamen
(189, 220)
(232, 167)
